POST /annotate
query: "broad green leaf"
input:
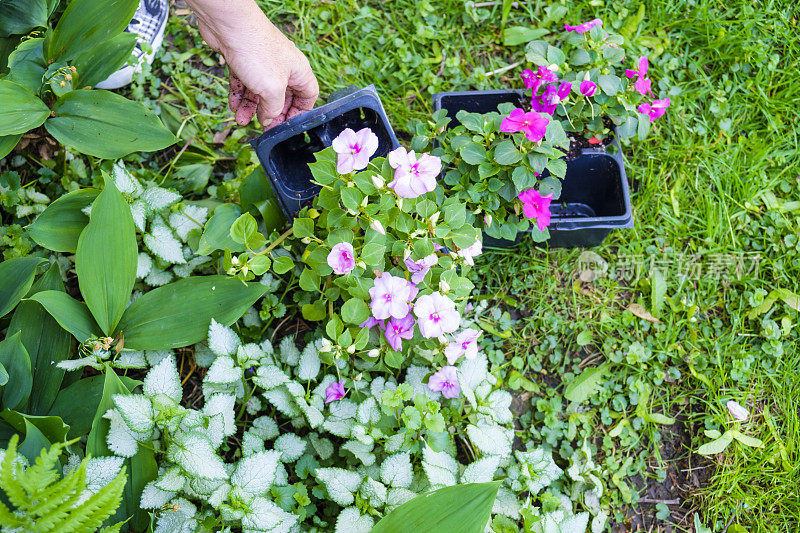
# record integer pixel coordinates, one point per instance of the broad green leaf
(22, 110)
(107, 257)
(45, 341)
(60, 225)
(86, 23)
(33, 444)
(217, 233)
(16, 278)
(52, 427)
(302, 228)
(506, 153)
(473, 153)
(244, 230)
(7, 143)
(27, 64)
(609, 83)
(716, 446)
(580, 388)
(18, 17)
(462, 508)
(658, 289)
(15, 360)
(142, 469)
(96, 444)
(71, 314)
(282, 264)
(355, 311)
(179, 314)
(256, 192)
(746, 440)
(106, 125)
(3, 375)
(515, 35)
(98, 62)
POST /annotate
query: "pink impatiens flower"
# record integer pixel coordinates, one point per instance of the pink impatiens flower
(583, 28)
(588, 88)
(654, 110)
(534, 80)
(342, 258)
(390, 296)
(465, 343)
(531, 123)
(335, 391)
(536, 206)
(470, 252)
(446, 382)
(354, 148)
(419, 268)
(642, 84)
(413, 176)
(398, 329)
(371, 322)
(737, 411)
(437, 315)
(551, 97)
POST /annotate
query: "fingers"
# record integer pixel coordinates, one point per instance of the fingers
(235, 92)
(287, 105)
(304, 87)
(270, 106)
(247, 108)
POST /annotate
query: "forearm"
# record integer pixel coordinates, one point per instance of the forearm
(219, 19)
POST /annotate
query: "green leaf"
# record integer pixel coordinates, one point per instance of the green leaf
(463, 508)
(45, 341)
(506, 153)
(16, 278)
(609, 83)
(579, 57)
(716, 446)
(72, 315)
(536, 53)
(644, 126)
(355, 311)
(583, 386)
(314, 311)
(302, 228)
(473, 153)
(373, 253)
(106, 125)
(658, 288)
(51, 427)
(217, 233)
(244, 230)
(351, 198)
(77, 403)
(98, 62)
(514, 35)
(22, 110)
(107, 257)
(7, 143)
(86, 23)
(523, 178)
(15, 360)
(613, 55)
(746, 440)
(18, 17)
(34, 442)
(3, 375)
(179, 314)
(142, 469)
(282, 264)
(96, 444)
(256, 192)
(557, 167)
(60, 225)
(27, 64)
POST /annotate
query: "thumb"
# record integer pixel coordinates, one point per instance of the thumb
(270, 107)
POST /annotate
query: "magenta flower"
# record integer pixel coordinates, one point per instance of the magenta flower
(335, 391)
(583, 28)
(470, 252)
(446, 382)
(465, 343)
(643, 63)
(588, 88)
(654, 110)
(398, 329)
(534, 80)
(419, 268)
(437, 315)
(551, 97)
(413, 176)
(531, 123)
(536, 206)
(342, 258)
(642, 84)
(371, 322)
(390, 296)
(354, 149)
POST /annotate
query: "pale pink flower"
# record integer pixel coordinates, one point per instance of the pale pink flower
(413, 176)
(583, 28)
(465, 343)
(536, 206)
(342, 258)
(390, 296)
(398, 329)
(654, 110)
(436, 315)
(470, 252)
(354, 149)
(531, 123)
(419, 268)
(371, 322)
(737, 411)
(335, 391)
(446, 382)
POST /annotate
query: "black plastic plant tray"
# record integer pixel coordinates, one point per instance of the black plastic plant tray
(594, 195)
(286, 150)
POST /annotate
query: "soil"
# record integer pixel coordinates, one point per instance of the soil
(578, 143)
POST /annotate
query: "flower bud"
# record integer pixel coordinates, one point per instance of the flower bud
(235, 261)
(305, 240)
(361, 264)
(231, 271)
(444, 286)
(377, 226)
(73, 69)
(351, 184)
(365, 201)
(434, 217)
(374, 352)
(351, 349)
(378, 181)
(358, 376)
(406, 253)
(488, 220)
(325, 346)
(737, 411)
(553, 68)
(62, 84)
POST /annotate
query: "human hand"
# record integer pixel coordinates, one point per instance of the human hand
(269, 76)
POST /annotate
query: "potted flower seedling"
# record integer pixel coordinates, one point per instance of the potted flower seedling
(570, 190)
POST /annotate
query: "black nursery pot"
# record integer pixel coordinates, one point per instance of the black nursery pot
(286, 150)
(594, 194)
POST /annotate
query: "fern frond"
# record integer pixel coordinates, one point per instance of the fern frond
(10, 472)
(90, 515)
(41, 473)
(58, 500)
